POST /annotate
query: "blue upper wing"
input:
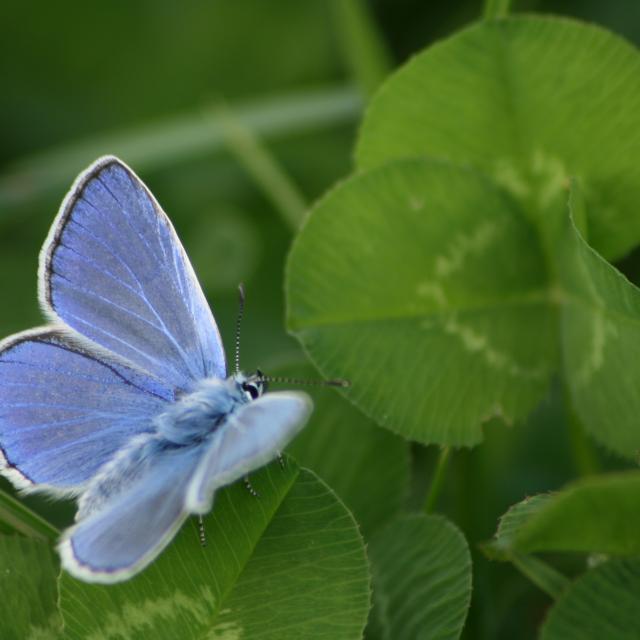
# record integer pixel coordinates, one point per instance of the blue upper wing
(250, 437)
(64, 413)
(114, 270)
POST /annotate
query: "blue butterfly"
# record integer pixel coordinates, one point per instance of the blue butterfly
(123, 400)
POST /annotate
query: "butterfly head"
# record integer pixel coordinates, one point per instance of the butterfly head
(253, 386)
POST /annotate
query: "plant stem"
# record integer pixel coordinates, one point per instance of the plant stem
(263, 167)
(183, 137)
(495, 9)
(585, 457)
(23, 520)
(437, 480)
(362, 44)
(545, 577)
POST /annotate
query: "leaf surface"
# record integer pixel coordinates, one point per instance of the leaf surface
(594, 515)
(419, 282)
(368, 467)
(597, 514)
(603, 603)
(600, 341)
(290, 563)
(28, 571)
(422, 579)
(531, 101)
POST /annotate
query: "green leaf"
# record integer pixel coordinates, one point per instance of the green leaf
(598, 514)
(531, 101)
(422, 579)
(28, 573)
(290, 563)
(601, 344)
(367, 467)
(603, 603)
(15, 516)
(501, 547)
(517, 515)
(419, 282)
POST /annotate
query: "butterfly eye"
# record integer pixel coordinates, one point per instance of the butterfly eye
(251, 389)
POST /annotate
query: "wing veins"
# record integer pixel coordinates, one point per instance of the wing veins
(111, 335)
(59, 372)
(158, 262)
(69, 445)
(103, 363)
(139, 292)
(176, 251)
(58, 423)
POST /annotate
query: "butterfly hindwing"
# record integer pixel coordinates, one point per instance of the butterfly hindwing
(131, 527)
(64, 411)
(114, 270)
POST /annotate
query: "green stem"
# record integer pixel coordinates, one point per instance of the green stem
(545, 577)
(585, 456)
(263, 167)
(183, 137)
(496, 9)
(23, 520)
(437, 480)
(362, 44)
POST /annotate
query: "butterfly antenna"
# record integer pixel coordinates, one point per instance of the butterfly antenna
(309, 383)
(239, 323)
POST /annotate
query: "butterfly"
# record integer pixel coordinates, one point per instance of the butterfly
(123, 400)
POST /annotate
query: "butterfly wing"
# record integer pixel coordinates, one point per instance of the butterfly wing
(252, 436)
(64, 412)
(136, 504)
(128, 530)
(114, 270)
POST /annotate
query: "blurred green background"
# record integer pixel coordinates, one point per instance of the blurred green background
(144, 80)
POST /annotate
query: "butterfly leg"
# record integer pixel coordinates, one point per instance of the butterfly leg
(202, 534)
(250, 489)
(281, 460)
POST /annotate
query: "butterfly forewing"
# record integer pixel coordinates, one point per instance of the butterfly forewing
(64, 412)
(114, 270)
